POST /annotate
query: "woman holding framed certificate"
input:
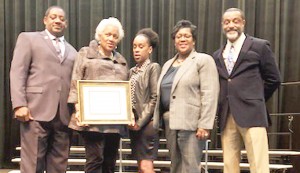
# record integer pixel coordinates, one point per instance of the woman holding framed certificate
(100, 61)
(143, 81)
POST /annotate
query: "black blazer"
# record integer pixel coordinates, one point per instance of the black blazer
(251, 83)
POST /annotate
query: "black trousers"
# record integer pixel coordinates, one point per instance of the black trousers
(101, 151)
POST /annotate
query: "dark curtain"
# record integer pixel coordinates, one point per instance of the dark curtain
(276, 21)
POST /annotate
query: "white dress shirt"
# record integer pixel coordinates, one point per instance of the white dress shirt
(237, 46)
(61, 42)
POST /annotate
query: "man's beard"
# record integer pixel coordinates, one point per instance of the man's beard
(233, 36)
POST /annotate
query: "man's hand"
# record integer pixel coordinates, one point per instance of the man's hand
(202, 134)
(23, 114)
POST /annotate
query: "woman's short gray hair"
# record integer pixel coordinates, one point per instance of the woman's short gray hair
(111, 21)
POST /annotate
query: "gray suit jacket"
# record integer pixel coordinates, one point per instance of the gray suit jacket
(39, 79)
(194, 93)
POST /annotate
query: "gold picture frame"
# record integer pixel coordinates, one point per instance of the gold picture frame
(104, 102)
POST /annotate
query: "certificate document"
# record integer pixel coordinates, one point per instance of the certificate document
(104, 102)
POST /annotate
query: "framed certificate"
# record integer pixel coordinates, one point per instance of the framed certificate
(104, 102)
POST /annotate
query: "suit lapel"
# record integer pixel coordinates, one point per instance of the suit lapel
(48, 42)
(66, 51)
(245, 48)
(163, 72)
(51, 46)
(182, 70)
(222, 62)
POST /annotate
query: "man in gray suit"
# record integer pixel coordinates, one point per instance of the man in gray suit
(40, 80)
(248, 77)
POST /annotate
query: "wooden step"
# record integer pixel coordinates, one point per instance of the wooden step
(81, 150)
(161, 141)
(272, 153)
(158, 163)
(165, 152)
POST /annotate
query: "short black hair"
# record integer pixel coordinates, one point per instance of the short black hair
(52, 7)
(152, 36)
(184, 24)
(236, 9)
